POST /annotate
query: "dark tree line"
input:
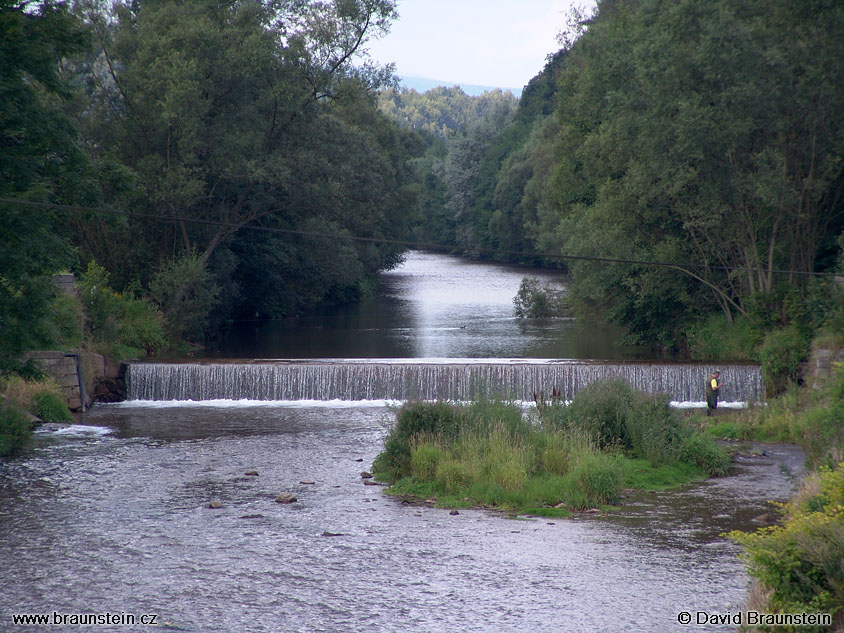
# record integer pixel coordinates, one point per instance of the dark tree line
(708, 136)
(231, 136)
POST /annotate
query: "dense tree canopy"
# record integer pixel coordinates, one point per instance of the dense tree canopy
(40, 161)
(708, 135)
(236, 159)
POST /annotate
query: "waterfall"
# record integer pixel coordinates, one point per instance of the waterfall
(426, 379)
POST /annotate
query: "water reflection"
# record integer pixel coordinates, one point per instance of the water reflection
(432, 306)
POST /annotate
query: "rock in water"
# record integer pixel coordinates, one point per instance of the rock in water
(285, 497)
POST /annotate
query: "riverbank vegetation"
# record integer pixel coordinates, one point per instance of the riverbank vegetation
(141, 138)
(798, 565)
(715, 186)
(214, 159)
(37, 396)
(550, 461)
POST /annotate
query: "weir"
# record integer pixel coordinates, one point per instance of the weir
(426, 379)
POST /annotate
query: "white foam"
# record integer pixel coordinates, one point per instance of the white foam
(243, 404)
(340, 404)
(81, 430)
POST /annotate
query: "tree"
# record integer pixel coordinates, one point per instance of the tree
(39, 161)
(704, 135)
(229, 116)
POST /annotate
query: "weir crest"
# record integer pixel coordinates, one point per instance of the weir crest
(426, 379)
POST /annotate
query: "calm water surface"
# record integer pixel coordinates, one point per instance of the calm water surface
(432, 306)
(114, 517)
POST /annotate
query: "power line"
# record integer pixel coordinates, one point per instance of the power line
(407, 243)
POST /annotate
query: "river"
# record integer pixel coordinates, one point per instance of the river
(112, 515)
(431, 306)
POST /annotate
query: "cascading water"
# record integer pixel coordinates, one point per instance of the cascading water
(426, 379)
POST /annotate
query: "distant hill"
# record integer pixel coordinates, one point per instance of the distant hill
(423, 84)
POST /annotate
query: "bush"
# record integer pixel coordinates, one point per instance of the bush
(414, 419)
(425, 457)
(781, 354)
(50, 407)
(122, 326)
(655, 431)
(716, 338)
(598, 478)
(704, 453)
(538, 301)
(602, 410)
(187, 294)
(801, 562)
(15, 429)
(67, 320)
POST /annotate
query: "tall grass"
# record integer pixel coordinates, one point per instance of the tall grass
(489, 453)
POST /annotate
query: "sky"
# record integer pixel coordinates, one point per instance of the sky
(499, 43)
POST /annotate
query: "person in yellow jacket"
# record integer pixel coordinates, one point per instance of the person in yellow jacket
(713, 387)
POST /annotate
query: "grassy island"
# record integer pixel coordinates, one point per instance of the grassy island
(547, 461)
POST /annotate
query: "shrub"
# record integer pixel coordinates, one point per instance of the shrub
(655, 431)
(801, 562)
(716, 338)
(781, 354)
(601, 410)
(50, 407)
(424, 419)
(536, 300)
(598, 478)
(122, 326)
(554, 452)
(187, 293)
(15, 429)
(67, 320)
(704, 453)
(425, 456)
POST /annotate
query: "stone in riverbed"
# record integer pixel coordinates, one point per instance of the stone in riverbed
(215, 504)
(285, 497)
(251, 473)
(365, 475)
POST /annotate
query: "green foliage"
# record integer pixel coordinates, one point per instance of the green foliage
(598, 478)
(237, 115)
(536, 300)
(717, 338)
(50, 407)
(15, 429)
(641, 174)
(414, 419)
(67, 321)
(781, 354)
(616, 416)
(488, 453)
(187, 294)
(801, 561)
(40, 161)
(123, 326)
(441, 111)
(703, 452)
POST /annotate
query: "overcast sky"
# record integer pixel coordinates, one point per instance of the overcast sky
(501, 43)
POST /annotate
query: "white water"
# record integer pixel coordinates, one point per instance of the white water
(426, 379)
